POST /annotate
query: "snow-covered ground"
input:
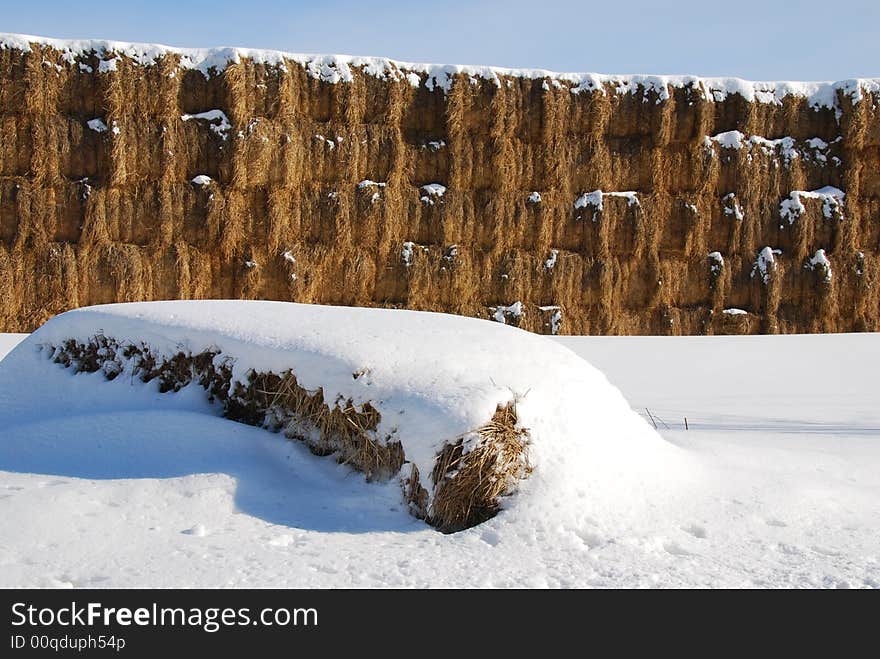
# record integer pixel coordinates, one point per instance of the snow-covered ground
(9, 341)
(774, 484)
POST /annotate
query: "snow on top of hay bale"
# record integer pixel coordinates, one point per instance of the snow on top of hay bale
(432, 378)
(338, 68)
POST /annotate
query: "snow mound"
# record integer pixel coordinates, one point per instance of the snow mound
(434, 381)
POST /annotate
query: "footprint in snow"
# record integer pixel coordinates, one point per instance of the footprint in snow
(696, 531)
(58, 582)
(282, 541)
(677, 550)
(197, 531)
(325, 569)
(491, 538)
(790, 550)
(590, 540)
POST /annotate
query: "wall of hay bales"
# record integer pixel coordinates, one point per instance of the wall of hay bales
(315, 193)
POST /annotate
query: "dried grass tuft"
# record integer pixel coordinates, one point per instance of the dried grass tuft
(343, 428)
(469, 481)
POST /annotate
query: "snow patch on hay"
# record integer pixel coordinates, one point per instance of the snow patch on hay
(339, 69)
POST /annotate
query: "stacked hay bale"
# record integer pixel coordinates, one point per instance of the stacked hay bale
(132, 176)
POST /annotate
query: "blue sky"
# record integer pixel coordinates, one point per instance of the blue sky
(766, 40)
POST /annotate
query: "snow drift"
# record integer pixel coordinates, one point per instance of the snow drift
(460, 410)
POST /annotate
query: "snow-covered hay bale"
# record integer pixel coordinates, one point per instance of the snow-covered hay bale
(461, 411)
